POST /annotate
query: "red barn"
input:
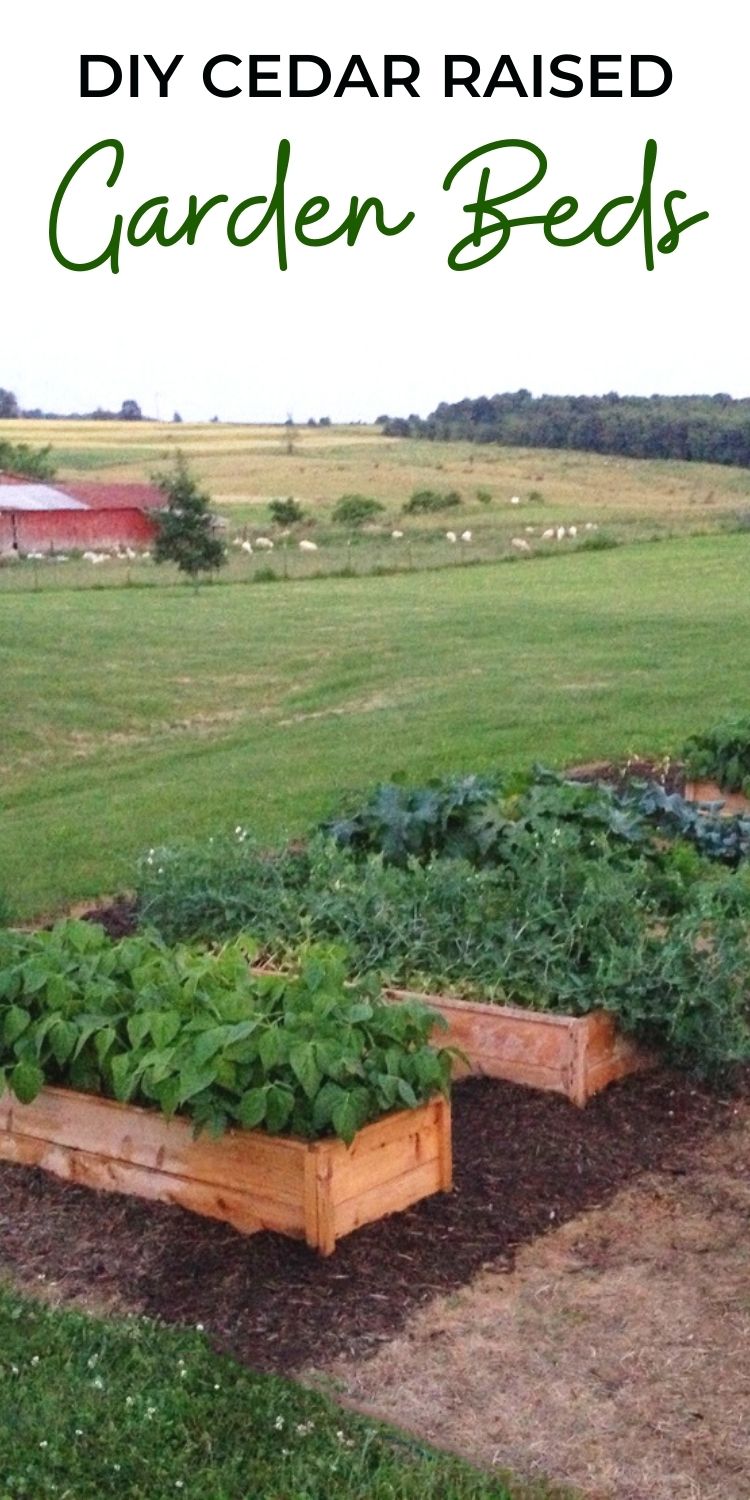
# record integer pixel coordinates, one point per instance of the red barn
(46, 516)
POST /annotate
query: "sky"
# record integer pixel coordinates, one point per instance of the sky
(385, 325)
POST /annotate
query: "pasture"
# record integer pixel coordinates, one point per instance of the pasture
(135, 716)
(245, 468)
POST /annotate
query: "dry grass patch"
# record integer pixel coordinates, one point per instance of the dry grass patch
(615, 1356)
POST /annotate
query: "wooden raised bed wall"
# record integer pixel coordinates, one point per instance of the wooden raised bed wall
(710, 791)
(311, 1190)
(572, 1055)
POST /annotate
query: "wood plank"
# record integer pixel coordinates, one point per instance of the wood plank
(243, 1160)
(388, 1198)
(355, 1172)
(247, 1213)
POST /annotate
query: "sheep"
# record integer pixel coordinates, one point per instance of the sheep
(572, 531)
(548, 535)
(560, 533)
(306, 546)
(465, 536)
(591, 526)
(520, 544)
(450, 536)
(529, 530)
(247, 547)
(515, 499)
(236, 541)
(397, 535)
(265, 543)
(35, 556)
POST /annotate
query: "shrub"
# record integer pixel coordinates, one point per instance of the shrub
(199, 1033)
(426, 502)
(355, 510)
(721, 754)
(286, 512)
(597, 541)
(484, 497)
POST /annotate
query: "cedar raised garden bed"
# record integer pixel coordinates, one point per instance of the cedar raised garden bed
(710, 791)
(572, 1055)
(312, 1190)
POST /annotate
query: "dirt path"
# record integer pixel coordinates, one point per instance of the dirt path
(614, 1356)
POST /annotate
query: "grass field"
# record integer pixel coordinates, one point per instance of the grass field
(138, 716)
(92, 1409)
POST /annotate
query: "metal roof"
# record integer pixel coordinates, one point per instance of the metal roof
(37, 497)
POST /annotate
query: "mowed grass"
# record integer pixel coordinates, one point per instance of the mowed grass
(134, 717)
(129, 1410)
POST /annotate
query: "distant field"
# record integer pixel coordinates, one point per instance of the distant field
(133, 716)
(244, 467)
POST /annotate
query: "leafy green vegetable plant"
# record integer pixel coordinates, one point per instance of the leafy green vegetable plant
(196, 1032)
(721, 754)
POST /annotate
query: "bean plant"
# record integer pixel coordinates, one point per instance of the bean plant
(196, 1032)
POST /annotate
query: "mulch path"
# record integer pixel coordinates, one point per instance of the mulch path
(524, 1162)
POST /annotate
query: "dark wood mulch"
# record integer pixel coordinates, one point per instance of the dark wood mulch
(524, 1162)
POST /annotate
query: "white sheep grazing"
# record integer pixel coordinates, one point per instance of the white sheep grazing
(247, 547)
(397, 535)
(560, 533)
(520, 544)
(591, 526)
(572, 531)
(515, 499)
(306, 546)
(450, 536)
(529, 530)
(35, 556)
(265, 543)
(236, 541)
(548, 534)
(465, 536)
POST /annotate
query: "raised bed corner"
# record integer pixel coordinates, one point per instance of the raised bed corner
(710, 791)
(572, 1055)
(312, 1190)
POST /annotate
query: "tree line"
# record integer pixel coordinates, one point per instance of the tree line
(712, 429)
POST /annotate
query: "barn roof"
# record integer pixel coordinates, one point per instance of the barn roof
(36, 496)
(100, 495)
(84, 494)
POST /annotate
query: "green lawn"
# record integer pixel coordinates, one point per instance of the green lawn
(92, 1409)
(136, 716)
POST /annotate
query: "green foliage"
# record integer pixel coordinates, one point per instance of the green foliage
(355, 510)
(710, 429)
(578, 915)
(105, 1409)
(455, 816)
(484, 497)
(20, 458)
(195, 1032)
(186, 528)
(286, 512)
(721, 754)
(597, 541)
(426, 502)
